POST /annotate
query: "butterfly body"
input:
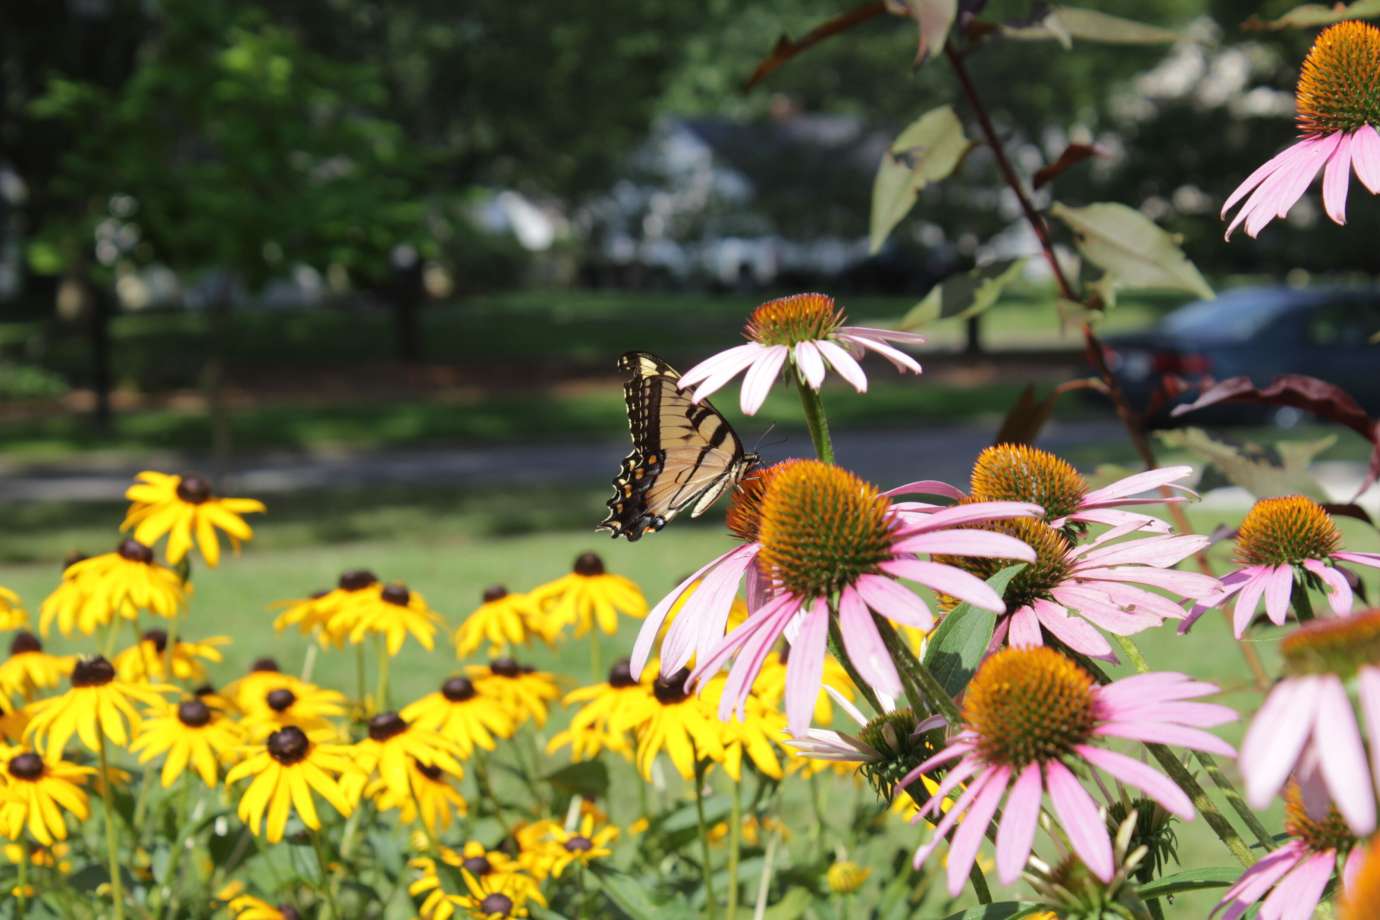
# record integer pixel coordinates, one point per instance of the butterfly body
(685, 454)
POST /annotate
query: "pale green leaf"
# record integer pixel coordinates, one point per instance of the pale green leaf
(792, 905)
(1263, 472)
(929, 150)
(1131, 249)
(959, 644)
(965, 295)
(1065, 24)
(1190, 880)
(1311, 15)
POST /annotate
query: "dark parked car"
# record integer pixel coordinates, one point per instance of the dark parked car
(1260, 333)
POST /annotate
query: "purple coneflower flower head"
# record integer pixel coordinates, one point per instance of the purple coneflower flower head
(1030, 714)
(1282, 539)
(1338, 104)
(806, 332)
(1292, 878)
(1018, 472)
(1307, 726)
(831, 545)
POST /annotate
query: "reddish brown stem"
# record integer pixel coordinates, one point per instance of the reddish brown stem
(787, 48)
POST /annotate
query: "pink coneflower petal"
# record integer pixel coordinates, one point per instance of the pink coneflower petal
(895, 602)
(750, 658)
(947, 580)
(963, 850)
(1248, 598)
(1336, 180)
(1078, 815)
(1139, 600)
(760, 376)
(927, 487)
(960, 805)
(1343, 762)
(1136, 484)
(899, 359)
(1158, 551)
(845, 364)
(1163, 733)
(1352, 866)
(700, 623)
(1125, 521)
(771, 618)
(1297, 895)
(1365, 157)
(1095, 607)
(1159, 686)
(883, 335)
(805, 668)
(1077, 634)
(1370, 559)
(952, 780)
(967, 543)
(1339, 595)
(1189, 584)
(1134, 773)
(1276, 738)
(864, 644)
(1270, 167)
(1368, 692)
(1278, 587)
(712, 373)
(651, 624)
(1200, 715)
(1290, 184)
(1016, 835)
(808, 359)
(1259, 878)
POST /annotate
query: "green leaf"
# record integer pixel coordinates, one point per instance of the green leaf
(1190, 880)
(1263, 472)
(792, 905)
(1065, 24)
(1001, 910)
(630, 896)
(957, 646)
(1131, 249)
(927, 151)
(965, 295)
(934, 18)
(588, 779)
(1310, 15)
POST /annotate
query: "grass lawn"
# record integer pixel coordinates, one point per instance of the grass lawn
(451, 552)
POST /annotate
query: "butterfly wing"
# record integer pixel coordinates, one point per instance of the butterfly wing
(684, 455)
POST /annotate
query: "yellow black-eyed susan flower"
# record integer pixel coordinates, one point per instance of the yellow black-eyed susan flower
(503, 620)
(333, 614)
(187, 510)
(461, 714)
(34, 795)
(56, 858)
(682, 724)
(479, 863)
(590, 595)
(522, 690)
(582, 845)
(308, 614)
(263, 674)
(13, 722)
(189, 733)
(30, 668)
(611, 710)
(12, 612)
(64, 606)
(756, 734)
(121, 583)
(395, 613)
(248, 907)
(146, 660)
(846, 876)
(281, 700)
(496, 897)
(287, 770)
(97, 705)
(433, 800)
(391, 745)
(753, 830)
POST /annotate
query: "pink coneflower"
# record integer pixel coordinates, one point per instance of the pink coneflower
(1296, 874)
(1338, 104)
(1307, 726)
(1028, 715)
(1280, 539)
(824, 534)
(807, 332)
(1020, 473)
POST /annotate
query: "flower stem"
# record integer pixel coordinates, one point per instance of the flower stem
(112, 844)
(841, 656)
(735, 842)
(24, 878)
(596, 660)
(360, 683)
(764, 883)
(325, 883)
(914, 669)
(815, 420)
(711, 904)
(382, 703)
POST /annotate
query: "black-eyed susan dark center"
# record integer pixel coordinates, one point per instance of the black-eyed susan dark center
(194, 490)
(386, 725)
(159, 638)
(430, 771)
(822, 528)
(496, 903)
(193, 713)
(357, 580)
(1339, 84)
(458, 689)
(1037, 579)
(1337, 645)
(25, 642)
(620, 675)
(27, 766)
(578, 844)
(288, 745)
(1286, 531)
(505, 667)
(1018, 473)
(396, 594)
(280, 700)
(478, 866)
(589, 565)
(1327, 833)
(134, 551)
(1029, 705)
(495, 593)
(92, 672)
(265, 664)
(798, 318)
(672, 689)
(72, 559)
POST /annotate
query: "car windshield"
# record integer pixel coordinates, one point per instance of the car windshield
(1237, 315)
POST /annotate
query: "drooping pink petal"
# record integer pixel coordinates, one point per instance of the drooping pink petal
(765, 619)
(717, 370)
(1365, 157)
(1016, 834)
(894, 601)
(1145, 778)
(844, 363)
(951, 781)
(1339, 596)
(953, 751)
(1336, 179)
(805, 668)
(951, 816)
(1078, 815)
(972, 514)
(1166, 733)
(1343, 758)
(1137, 600)
(982, 543)
(1199, 715)
(963, 850)
(1024, 630)
(1254, 179)
(1188, 584)
(1073, 632)
(884, 335)
(1157, 551)
(1248, 598)
(1157, 686)
(1370, 559)
(949, 580)
(1297, 895)
(1276, 738)
(1095, 607)
(811, 364)
(1278, 587)
(1259, 878)
(751, 657)
(700, 622)
(927, 487)
(760, 377)
(864, 645)
(1282, 191)
(1127, 521)
(651, 625)
(899, 359)
(1134, 485)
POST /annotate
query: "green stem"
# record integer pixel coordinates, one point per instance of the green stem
(112, 844)
(1209, 765)
(187, 822)
(360, 682)
(814, 419)
(841, 656)
(711, 903)
(110, 634)
(735, 842)
(914, 669)
(1303, 604)
(382, 650)
(325, 885)
(24, 878)
(596, 660)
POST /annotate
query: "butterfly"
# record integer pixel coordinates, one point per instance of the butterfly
(685, 454)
